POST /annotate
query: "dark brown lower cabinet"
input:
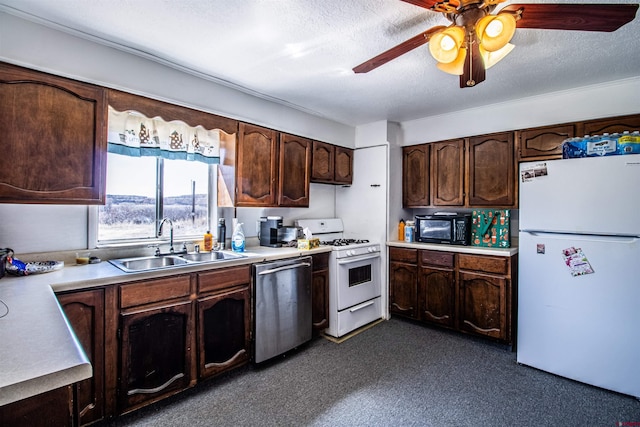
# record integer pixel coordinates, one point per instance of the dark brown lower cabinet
(320, 293)
(223, 331)
(470, 293)
(50, 409)
(154, 354)
(86, 314)
(403, 282)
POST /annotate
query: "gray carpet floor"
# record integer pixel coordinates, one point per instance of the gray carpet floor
(396, 373)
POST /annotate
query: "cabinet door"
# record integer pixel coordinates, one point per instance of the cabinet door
(403, 289)
(256, 167)
(415, 176)
(447, 173)
(543, 143)
(613, 125)
(223, 331)
(295, 171)
(54, 139)
(343, 169)
(436, 295)
(492, 171)
(52, 408)
(155, 356)
(85, 312)
(483, 304)
(320, 293)
(323, 162)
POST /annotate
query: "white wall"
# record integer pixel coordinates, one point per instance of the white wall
(616, 98)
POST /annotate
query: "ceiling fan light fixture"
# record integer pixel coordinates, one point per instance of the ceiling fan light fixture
(446, 44)
(492, 58)
(455, 67)
(495, 31)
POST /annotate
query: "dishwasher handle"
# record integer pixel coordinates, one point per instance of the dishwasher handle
(286, 267)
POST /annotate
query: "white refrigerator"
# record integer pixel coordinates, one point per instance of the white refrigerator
(579, 270)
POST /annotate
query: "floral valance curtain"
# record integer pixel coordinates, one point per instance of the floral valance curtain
(132, 134)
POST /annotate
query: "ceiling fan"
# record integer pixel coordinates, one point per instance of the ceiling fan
(477, 39)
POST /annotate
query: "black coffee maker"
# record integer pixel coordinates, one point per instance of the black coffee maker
(269, 226)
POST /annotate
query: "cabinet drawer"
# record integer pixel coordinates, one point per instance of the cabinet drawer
(403, 255)
(437, 258)
(496, 265)
(154, 291)
(224, 278)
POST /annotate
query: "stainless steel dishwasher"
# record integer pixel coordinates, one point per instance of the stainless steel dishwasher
(282, 306)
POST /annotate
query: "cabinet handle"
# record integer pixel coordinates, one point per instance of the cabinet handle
(157, 389)
(228, 362)
(286, 267)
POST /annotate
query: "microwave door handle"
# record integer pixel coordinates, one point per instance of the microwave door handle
(358, 258)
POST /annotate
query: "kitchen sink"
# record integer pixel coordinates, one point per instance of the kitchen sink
(147, 263)
(210, 256)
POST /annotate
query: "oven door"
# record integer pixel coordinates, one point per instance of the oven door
(358, 280)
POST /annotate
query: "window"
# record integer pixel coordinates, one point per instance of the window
(143, 190)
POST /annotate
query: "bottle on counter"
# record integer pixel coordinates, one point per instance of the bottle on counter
(409, 231)
(237, 240)
(222, 233)
(401, 230)
(208, 241)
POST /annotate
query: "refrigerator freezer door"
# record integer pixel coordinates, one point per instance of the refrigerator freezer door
(581, 327)
(594, 195)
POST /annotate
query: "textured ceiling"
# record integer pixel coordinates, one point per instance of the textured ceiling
(301, 52)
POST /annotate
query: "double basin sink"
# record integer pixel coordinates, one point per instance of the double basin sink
(146, 263)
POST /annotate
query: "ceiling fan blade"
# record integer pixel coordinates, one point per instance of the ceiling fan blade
(396, 51)
(581, 17)
(474, 70)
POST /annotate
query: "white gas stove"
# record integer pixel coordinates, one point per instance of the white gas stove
(355, 283)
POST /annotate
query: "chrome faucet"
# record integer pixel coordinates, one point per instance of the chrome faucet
(170, 232)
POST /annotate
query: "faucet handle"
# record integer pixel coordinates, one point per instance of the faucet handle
(157, 249)
(184, 247)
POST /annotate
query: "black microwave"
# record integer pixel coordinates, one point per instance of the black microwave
(451, 229)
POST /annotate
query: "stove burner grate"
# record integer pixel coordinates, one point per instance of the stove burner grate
(344, 242)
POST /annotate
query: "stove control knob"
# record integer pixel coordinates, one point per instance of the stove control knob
(371, 249)
(350, 253)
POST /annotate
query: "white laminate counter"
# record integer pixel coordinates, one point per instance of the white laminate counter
(475, 250)
(38, 349)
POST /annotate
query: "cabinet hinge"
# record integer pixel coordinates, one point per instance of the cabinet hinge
(119, 333)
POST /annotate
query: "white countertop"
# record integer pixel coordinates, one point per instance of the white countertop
(38, 349)
(475, 250)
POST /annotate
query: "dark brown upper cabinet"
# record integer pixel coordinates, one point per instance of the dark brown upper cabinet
(54, 138)
(543, 143)
(611, 125)
(415, 176)
(256, 166)
(492, 171)
(447, 173)
(331, 164)
(294, 171)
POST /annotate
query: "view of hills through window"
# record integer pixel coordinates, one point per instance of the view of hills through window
(131, 208)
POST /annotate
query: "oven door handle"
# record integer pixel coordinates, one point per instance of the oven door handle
(343, 261)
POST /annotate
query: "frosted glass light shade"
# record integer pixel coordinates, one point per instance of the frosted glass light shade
(446, 44)
(495, 31)
(455, 67)
(492, 58)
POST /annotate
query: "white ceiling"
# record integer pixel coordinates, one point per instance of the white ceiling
(301, 52)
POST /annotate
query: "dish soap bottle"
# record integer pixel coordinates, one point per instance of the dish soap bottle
(208, 241)
(237, 240)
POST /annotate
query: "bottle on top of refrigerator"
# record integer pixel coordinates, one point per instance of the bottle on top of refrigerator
(237, 240)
